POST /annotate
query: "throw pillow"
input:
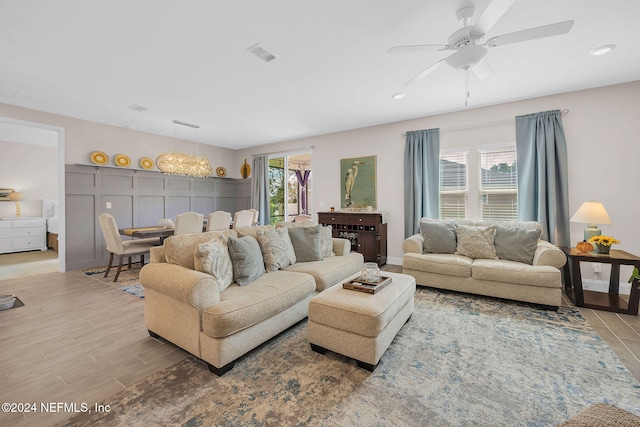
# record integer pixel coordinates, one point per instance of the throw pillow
(516, 244)
(326, 241)
(246, 259)
(213, 258)
(306, 243)
(439, 237)
(277, 250)
(476, 242)
(326, 237)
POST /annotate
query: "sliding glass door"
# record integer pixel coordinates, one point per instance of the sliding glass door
(289, 186)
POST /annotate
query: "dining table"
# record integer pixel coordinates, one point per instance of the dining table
(148, 232)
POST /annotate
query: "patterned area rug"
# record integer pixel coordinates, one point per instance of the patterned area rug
(461, 360)
(127, 281)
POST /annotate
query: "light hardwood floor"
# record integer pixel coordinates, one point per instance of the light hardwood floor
(77, 340)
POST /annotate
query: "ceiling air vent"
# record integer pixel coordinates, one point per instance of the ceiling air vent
(261, 53)
(136, 107)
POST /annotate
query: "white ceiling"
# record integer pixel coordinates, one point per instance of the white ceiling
(187, 60)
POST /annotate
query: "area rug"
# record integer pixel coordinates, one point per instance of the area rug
(461, 360)
(127, 281)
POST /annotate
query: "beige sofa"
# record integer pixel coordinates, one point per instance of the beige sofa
(536, 282)
(186, 307)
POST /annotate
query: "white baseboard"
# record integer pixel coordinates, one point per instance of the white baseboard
(394, 260)
(602, 286)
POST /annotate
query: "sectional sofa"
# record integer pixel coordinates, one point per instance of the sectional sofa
(191, 301)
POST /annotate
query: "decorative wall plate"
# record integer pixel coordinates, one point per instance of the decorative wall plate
(222, 172)
(146, 163)
(99, 158)
(121, 160)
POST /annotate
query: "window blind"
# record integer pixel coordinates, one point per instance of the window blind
(498, 189)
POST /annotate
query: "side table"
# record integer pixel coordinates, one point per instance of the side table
(610, 301)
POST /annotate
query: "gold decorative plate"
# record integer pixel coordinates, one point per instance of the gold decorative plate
(121, 160)
(222, 172)
(99, 158)
(146, 163)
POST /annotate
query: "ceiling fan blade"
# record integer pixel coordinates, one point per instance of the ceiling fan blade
(423, 74)
(531, 34)
(482, 70)
(417, 48)
(492, 14)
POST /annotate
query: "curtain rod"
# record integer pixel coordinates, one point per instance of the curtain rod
(479, 125)
(285, 151)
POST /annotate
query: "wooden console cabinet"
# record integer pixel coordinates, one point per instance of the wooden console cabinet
(366, 231)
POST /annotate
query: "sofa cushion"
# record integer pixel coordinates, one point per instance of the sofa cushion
(242, 307)
(515, 272)
(439, 237)
(213, 258)
(180, 249)
(306, 243)
(326, 237)
(450, 265)
(253, 230)
(516, 244)
(276, 247)
(246, 258)
(331, 270)
(476, 242)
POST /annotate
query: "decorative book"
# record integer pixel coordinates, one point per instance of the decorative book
(368, 287)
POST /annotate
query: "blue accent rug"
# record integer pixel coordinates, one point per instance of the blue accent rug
(460, 361)
(127, 281)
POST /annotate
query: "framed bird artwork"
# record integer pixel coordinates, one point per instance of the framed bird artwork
(358, 182)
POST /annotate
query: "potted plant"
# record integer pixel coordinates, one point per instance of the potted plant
(603, 243)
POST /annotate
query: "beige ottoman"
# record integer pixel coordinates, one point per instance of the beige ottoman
(360, 325)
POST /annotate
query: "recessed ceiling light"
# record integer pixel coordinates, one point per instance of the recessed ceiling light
(601, 50)
(398, 95)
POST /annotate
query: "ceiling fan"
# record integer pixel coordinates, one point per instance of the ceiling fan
(469, 53)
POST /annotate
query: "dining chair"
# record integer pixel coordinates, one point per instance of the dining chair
(218, 220)
(189, 223)
(256, 215)
(122, 248)
(243, 218)
(301, 218)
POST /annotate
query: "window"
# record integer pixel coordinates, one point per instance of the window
(491, 186)
(498, 189)
(453, 184)
(289, 195)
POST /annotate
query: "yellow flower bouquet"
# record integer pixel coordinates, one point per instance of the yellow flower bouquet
(603, 243)
(604, 240)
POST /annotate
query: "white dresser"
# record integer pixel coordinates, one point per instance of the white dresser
(23, 234)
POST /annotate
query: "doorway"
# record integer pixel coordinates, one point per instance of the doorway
(290, 186)
(38, 151)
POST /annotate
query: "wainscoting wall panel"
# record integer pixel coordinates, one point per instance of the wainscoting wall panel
(137, 198)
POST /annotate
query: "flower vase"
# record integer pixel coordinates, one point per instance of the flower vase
(603, 249)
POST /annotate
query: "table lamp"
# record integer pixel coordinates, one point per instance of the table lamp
(16, 196)
(591, 213)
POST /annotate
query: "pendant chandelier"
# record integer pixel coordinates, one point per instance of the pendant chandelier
(178, 163)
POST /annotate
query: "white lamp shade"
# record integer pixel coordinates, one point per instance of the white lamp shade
(591, 213)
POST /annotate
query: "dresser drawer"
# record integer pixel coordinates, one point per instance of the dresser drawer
(6, 245)
(21, 243)
(27, 232)
(28, 223)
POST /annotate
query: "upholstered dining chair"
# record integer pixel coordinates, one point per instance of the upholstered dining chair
(122, 248)
(243, 218)
(256, 215)
(189, 223)
(218, 220)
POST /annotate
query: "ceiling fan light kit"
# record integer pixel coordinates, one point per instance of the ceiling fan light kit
(468, 53)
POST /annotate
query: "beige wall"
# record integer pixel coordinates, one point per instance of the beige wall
(31, 169)
(602, 129)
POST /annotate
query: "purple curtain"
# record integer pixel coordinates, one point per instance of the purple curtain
(303, 179)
